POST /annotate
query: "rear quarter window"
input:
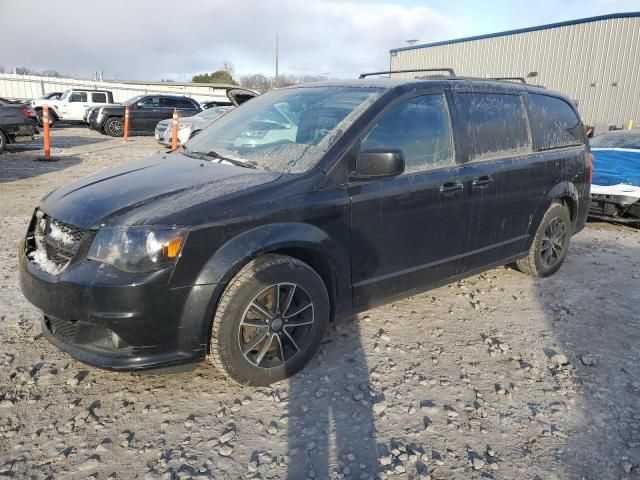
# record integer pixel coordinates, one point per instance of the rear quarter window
(494, 124)
(554, 124)
(99, 97)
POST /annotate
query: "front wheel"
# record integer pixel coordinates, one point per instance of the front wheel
(550, 245)
(114, 127)
(270, 320)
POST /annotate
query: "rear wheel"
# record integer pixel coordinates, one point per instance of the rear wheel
(52, 118)
(3, 141)
(270, 320)
(114, 127)
(550, 245)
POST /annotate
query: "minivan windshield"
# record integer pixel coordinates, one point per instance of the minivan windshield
(286, 130)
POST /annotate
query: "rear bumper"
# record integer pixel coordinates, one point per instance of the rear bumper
(117, 320)
(21, 132)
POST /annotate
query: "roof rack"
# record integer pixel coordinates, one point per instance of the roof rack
(509, 79)
(389, 72)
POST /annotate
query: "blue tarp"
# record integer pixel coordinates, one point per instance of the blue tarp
(614, 166)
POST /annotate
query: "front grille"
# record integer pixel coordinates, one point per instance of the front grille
(93, 115)
(54, 240)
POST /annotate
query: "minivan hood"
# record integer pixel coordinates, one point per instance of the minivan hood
(149, 191)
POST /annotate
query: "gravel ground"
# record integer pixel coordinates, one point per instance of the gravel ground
(498, 376)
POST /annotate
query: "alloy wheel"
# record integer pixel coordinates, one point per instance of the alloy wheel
(276, 325)
(115, 127)
(553, 242)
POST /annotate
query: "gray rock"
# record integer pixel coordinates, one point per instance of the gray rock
(587, 360)
(386, 460)
(626, 466)
(89, 464)
(227, 436)
(477, 463)
(559, 359)
(225, 450)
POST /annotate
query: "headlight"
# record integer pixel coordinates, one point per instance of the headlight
(137, 249)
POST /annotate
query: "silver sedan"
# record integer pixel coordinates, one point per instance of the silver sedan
(188, 126)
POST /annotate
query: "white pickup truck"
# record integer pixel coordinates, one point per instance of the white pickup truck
(72, 104)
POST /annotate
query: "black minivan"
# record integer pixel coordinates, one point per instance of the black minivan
(308, 203)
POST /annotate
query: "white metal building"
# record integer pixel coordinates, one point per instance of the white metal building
(32, 86)
(595, 61)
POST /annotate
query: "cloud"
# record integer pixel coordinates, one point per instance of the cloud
(178, 38)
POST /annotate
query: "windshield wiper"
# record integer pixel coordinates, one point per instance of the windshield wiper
(221, 158)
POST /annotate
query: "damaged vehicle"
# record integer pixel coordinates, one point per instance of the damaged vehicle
(243, 253)
(615, 193)
(18, 123)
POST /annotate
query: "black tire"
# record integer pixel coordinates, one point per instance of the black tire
(250, 338)
(3, 141)
(550, 244)
(114, 126)
(52, 118)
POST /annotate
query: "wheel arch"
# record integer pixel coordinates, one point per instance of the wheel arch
(302, 241)
(564, 193)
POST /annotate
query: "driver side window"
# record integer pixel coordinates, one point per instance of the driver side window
(150, 102)
(77, 97)
(420, 128)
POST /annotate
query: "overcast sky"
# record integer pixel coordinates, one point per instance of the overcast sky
(150, 40)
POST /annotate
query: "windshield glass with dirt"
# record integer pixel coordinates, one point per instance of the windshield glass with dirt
(288, 130)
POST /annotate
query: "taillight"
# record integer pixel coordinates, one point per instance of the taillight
(26, 113)
(591, 169)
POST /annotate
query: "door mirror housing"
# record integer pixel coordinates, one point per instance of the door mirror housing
(375, 164)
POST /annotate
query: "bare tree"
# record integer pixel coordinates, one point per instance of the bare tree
(23, 71)
(261, 83)
(228, 67)
(49, 73)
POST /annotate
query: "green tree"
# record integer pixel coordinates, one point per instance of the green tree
(219, 76)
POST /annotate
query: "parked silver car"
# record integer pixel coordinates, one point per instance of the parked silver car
(188, 126)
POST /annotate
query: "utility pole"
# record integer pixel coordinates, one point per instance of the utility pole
(276, 79)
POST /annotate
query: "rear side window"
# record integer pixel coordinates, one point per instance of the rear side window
(495, 125)
(169, 102)
(554, 124)
(184, 103)
(99, 97)
(419, 127)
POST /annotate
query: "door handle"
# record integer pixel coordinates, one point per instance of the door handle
(481, 182)
(450, 188)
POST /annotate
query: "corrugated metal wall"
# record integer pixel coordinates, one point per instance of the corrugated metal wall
(596, 63)
(31, 86)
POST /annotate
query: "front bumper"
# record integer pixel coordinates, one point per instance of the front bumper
(117, 320)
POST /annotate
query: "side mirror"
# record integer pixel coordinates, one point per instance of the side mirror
(374, 164)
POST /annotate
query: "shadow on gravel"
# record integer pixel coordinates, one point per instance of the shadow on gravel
(17, 167)
(331, 429)
(336, 414)
(592, 307)
(66, 141)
